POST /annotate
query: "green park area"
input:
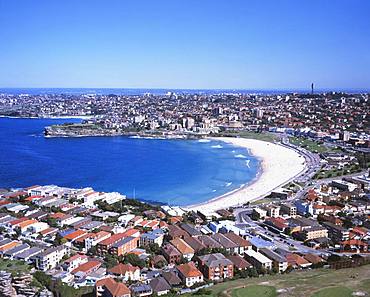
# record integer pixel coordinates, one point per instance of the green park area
(310, 145)
(308, 283)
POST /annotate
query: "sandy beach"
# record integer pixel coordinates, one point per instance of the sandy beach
(279, 166)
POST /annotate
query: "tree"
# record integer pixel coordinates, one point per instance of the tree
(59, 239)
(134, 260)
(110, 261)
(252, 272)
(42, 278)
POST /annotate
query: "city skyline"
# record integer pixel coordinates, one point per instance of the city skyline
(236, 45)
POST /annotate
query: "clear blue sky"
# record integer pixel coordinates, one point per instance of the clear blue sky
(260, 44)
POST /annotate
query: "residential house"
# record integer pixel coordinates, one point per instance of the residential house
(279, 263)
(259, 260)
(171, 254)
(186, 250)
(160, 286)
(126, 272)
(239, 262)
(189, 274)
(108, 287)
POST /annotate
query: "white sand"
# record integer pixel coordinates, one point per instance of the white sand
(280, 165)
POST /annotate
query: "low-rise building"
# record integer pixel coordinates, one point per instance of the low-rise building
(216, 266)
(189, 274)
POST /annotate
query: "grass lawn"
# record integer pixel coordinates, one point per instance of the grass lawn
(334, 292)
(309, 145)
(13, 266)
(303, 283)
(255, 291)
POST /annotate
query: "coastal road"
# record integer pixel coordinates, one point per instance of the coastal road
(242, 218)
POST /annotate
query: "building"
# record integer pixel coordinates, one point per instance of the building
(153, 237)
(216, 266)
(160, 286)
(74, 261)
(51, 257)
(189, 274)
(126, 272)
(108, 287)
(171, 254)
(186, 250)
(124, 246)
(336, 233)
(289, 209)
(312, 233)
(258, 260)
(279, 263)
(239, 262)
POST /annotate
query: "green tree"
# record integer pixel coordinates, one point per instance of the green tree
(134, 260)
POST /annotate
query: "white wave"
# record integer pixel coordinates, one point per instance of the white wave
(240, 156)
(217, 146)
(204, 140)
(247, 163)
(214, 190)
(229, 184)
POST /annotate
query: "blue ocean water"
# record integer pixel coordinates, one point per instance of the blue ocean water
(175, 172)
(141, 91)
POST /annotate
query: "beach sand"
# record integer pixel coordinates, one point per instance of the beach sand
(279, 164)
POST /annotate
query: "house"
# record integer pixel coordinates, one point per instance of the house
(209, 242)
(191, 230)
(141, 290)
(239, 262)
(108, 287)
(314, 259)
(216, 266)
(86, 268)
(226, 243)
(195, 243)
(126, 272)
(74, 261)
(95, 238)
(75, 235)
(50, 258)
(189, 274)
(258, 260)
(7, 244)
(296, 261)
(172, 278)
(160, 286)
(171, 254)
(279, 263)
(28, 255)
(175, 231)
(11, 253)
(153, 237)
(242, 244)
(186, 250)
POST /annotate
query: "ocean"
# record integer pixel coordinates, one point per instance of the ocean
(162, 91)
(174, 172)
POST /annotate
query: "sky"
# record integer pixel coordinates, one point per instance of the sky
(209, 44)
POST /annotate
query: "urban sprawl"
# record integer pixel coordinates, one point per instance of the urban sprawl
(55, 239)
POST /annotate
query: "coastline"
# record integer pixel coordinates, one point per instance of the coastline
(279, 165)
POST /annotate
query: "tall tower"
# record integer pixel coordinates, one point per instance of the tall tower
(312, 88)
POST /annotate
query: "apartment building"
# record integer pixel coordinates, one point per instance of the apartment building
(216, 266)
(51, 257)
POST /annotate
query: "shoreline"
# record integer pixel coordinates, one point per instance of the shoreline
(279, 165)
(48, 118)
